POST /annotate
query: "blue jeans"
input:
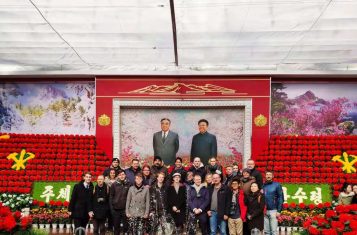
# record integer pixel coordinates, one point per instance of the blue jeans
(270, 223)
(216, 223)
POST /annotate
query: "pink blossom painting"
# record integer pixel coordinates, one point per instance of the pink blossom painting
(314, 109)
(139, 124)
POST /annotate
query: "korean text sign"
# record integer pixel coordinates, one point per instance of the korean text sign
(306, 193)
(56, 191)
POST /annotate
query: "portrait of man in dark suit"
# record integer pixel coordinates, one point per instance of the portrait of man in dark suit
(204, 144)
(166, 143)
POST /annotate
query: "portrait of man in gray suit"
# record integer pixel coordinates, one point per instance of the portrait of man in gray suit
(166, 143)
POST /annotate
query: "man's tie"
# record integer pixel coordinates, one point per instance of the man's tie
(164, 137)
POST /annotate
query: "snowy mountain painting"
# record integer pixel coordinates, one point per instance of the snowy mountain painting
(48, 108)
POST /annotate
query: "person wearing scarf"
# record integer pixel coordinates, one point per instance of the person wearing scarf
(255, 202)
(198, 201)
(237, 210)
(213, 167)
(137, 206)
(100, 206)
(246, 181)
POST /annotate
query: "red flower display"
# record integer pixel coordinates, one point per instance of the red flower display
(9, 223)
(308, 159)
(69, 152)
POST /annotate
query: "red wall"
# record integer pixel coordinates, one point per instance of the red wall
(256, 88)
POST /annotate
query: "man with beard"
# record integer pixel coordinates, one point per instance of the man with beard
(132, 171)
(229, 176)
(274, 199)
(114, 166)
(157, 167)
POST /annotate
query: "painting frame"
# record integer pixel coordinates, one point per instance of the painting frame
(245, 104)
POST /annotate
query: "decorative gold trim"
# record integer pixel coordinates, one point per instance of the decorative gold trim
(260, 120)
(104, 120)
(183, 88)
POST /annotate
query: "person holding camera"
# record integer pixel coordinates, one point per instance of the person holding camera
(100, 206)
(237, 210)
(198, 201)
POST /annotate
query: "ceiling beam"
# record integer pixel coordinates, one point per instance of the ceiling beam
(174, 33)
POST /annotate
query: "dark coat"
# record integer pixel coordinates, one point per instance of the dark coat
(246, 183)
(274, 197)
(107, 171)
(354, 199)
(155, 170)
(81, 201)
(200, 171)
(255, 203)
(200, 201)
(213, 169)
(223, 202)
(148, 181)
(158, 200)
(181, 170)
(118, 193)
(228, 179)
(130, 174)
(242, 207)
(178, 200)
(101, 202)
(258, 177)
(204, 146)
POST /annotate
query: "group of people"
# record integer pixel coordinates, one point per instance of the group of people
(160, 200)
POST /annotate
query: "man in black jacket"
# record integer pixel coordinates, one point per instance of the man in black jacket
(100, 206)
(197, 168)
(133, 170)
(80, 205)
(255, 173)
(219, 205)
(114, 166)
(117, 201)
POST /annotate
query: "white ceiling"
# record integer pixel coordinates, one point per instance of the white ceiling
(213, 36)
